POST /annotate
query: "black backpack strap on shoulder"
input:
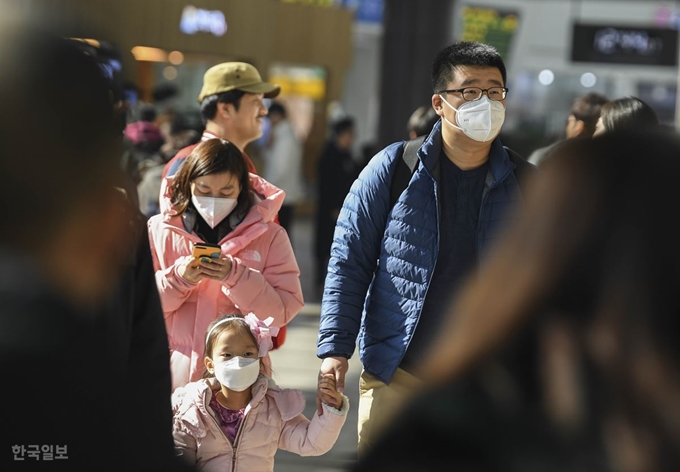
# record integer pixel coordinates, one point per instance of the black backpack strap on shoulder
(522, 166)
(406, 166)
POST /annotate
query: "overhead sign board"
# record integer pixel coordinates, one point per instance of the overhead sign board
(197, 20)
(492, 26)
(624, 45)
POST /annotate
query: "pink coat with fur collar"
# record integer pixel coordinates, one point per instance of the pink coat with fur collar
(264, 279)
(273, 419)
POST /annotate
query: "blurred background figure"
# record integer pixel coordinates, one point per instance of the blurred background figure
(179, 134)
(64, 249)
(626, 114)
(600, 255)
(142, 158)
(585, 111)
(283, 163)
(336, 172)
(421, 121)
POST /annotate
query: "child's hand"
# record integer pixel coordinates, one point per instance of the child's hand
(329, 393)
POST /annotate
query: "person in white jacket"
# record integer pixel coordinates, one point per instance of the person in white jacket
(283, 163)
(236, 418)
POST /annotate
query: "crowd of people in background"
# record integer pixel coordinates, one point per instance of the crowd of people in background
(522, 311)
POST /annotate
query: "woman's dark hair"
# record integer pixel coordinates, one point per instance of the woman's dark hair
(464, 53)
(213, 156)
(209, 103)
(627, 114)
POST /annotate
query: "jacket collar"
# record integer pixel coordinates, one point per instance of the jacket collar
(266, 203)
(500, 165)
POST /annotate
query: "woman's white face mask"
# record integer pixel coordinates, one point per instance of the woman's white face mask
(213, 210)
(480, 120)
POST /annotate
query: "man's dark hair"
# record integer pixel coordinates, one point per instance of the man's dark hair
(464, 53)
(277, 108)
(586, 108)
(147, 112)
(343, 125)
(209, 104)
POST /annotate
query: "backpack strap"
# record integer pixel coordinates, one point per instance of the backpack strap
(523, 167)
(406, 166)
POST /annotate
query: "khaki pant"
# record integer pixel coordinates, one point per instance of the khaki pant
(379, 403)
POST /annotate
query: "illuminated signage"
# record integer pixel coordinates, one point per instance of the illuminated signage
(320, 3)
(624, 45)
(197, 20)
(490, 26)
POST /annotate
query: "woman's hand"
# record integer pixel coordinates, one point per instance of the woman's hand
(216, 269)
(190, 269)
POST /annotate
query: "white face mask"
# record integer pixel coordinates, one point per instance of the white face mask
(480, 120)
(238, 373)
(213, 210)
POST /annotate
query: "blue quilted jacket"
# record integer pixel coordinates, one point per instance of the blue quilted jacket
(383, 258)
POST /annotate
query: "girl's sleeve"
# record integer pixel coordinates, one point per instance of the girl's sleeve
(276, 291)
(185, 446)
(315, 437)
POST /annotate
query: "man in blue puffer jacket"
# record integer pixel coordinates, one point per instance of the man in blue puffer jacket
(400, 265)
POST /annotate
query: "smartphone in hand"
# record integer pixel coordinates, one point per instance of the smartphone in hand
(206, 252)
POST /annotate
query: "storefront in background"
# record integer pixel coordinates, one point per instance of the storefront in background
(173, 42)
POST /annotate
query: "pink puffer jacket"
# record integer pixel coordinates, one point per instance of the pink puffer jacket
(264, 279)
(273, 419)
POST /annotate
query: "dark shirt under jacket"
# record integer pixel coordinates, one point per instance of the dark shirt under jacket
(460, 193)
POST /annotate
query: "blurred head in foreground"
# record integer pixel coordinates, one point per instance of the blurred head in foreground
(59, 152)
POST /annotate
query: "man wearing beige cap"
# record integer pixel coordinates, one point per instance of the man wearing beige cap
(231, 106)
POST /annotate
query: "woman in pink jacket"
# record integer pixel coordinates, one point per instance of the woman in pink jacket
(214, 199)
(235, 419)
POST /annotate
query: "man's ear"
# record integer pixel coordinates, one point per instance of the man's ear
(225, 110)
(437, 104)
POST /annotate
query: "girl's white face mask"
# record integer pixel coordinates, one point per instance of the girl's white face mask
(213, 210)
(238, 373)
(480, 120)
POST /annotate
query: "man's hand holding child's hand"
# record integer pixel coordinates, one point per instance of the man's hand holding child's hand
(329, 394)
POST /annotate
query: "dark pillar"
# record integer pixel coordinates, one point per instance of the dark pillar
(414, 32)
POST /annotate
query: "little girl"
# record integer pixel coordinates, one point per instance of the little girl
(235, 418)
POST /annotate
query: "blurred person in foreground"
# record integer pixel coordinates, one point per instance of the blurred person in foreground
(585, 112)
(627, 114)
(78, 359)
(393, 269)
(336, 170)
(283, 163)
(594, 247)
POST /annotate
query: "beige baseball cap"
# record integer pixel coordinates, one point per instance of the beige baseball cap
(235, 76)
